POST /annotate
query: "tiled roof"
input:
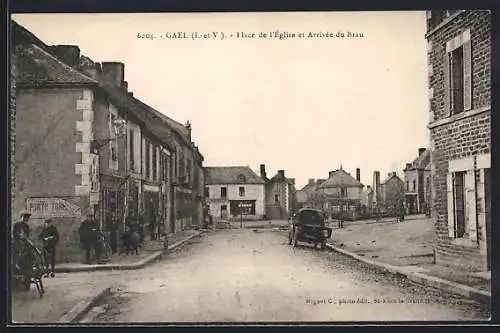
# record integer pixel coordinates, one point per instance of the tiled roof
(340, 178)
(231, 175)
(37, 67)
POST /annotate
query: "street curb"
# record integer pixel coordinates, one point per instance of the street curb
(107, 267)
(81, 309)
(423, 279)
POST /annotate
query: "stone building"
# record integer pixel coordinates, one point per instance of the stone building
(459, 67)
(84, 143)
(392, 192)
(281, 197)
(234, 193)
(418, 183)
(341, 194)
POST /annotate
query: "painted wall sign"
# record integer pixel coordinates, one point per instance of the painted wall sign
(51, 207)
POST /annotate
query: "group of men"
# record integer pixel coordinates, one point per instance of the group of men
(24, 252)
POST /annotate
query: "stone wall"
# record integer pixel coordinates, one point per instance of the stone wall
(462, 135)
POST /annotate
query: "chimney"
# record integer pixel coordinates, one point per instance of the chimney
(394, 173)
(69, 54)
(311, 181)
(263, 170)
(281, 174)
(358, 174)
(88, 67)
(188, 127)
(125, 85)
(330, 173)
(114, 72)
(421, 151)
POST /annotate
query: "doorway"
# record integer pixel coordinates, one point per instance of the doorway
(223, 211)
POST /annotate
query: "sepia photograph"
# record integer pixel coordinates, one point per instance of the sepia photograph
(250, 167)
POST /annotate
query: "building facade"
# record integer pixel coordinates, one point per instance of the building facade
(281, 200)
(418, 183)
(234, 193)
(459, 57)
(341, 194)
(85, 144)
(393, 193)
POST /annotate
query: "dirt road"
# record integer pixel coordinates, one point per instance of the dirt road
(249, 276)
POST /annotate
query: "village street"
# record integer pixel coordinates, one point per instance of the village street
(253, 275)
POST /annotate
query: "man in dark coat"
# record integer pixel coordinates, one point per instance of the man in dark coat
(113, 234)
(49, 237)
(88, 236)
(23, 254)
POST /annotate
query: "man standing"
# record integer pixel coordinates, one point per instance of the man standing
(23, 253)
(113, 234)
(49, 237)
(88, 236)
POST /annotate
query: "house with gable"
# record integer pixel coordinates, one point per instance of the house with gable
(392, 193)
(418, 183)
(341, 193)
(234, 192)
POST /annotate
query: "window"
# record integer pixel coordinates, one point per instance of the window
(164, 167)
(223, 192)
(188, 171)
(113, 156)
(458, 69)
(414, 186)
(131, 150)
(242, 191)
(459, 203)
(408, 185)
(276, 198)
(207, 192)
(457, 80)
(155, 163)
(343, 192)
(147, 159)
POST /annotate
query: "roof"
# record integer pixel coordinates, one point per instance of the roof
(340, 178)
(309, 187)
(391, 177)
(231, 175)
(36, 66)
(277, 178)
(422, 161)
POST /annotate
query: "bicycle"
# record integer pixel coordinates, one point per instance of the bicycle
(38, 268)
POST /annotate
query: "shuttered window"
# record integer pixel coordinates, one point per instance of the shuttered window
(459, 199)
(458, 74)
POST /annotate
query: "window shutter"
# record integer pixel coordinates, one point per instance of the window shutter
(450, 205)
(470, 189)
(447, 87)
(467, 76)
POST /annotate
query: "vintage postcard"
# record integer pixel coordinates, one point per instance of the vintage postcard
(271, 167)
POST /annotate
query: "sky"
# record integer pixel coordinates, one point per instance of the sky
(305, 105)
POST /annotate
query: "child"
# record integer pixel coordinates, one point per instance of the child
(49, 237)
